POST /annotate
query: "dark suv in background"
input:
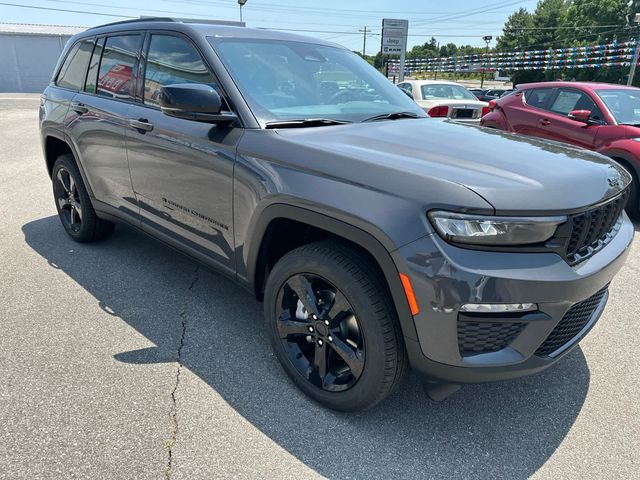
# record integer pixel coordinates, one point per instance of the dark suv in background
(378, 238)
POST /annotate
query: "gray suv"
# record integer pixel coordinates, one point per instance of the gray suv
(379, 239)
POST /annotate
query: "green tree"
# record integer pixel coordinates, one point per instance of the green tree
(515, 35)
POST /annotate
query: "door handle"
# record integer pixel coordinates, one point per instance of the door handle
(78, 107)
(141, 124)
(545, 122)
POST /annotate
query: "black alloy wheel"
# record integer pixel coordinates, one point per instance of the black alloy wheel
(320, 332)
(75, 210)
(68, 199)
(333, 326)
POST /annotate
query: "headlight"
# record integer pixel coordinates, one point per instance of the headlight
(489, 230)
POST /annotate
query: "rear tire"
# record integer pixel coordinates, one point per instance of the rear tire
(74, 206)
(361, 346)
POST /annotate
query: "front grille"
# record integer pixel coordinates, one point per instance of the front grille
(485, 337)
(464, 113)
(593, 229)
(571, 324)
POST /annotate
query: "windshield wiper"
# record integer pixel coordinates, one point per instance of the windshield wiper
(305, 122)
(630, 124)
(392, 116)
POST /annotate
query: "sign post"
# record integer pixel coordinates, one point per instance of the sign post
(394, 40)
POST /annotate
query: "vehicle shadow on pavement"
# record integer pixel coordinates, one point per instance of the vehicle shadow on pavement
(505, 430)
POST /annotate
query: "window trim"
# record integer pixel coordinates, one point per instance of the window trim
(96, 40)
(145, 57)
(59, 69)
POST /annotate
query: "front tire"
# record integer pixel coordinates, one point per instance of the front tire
(74, 206)
(333, 326)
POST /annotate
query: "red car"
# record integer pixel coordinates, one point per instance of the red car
(598, 116)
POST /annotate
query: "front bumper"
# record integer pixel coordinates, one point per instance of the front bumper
(445, 277)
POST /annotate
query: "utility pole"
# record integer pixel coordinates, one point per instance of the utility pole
(487, 39)
(437, 65)
(634, 62)
(364, 42)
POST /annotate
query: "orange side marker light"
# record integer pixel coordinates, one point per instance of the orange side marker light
(411, 297)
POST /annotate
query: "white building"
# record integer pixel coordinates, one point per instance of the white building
(29, 53)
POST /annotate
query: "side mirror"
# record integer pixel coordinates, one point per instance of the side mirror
(193, 101)
(580, 115)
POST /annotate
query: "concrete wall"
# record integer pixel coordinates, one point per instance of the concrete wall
(27, 61)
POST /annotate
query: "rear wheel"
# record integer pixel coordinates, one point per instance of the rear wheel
(74, 207)
(333, 327)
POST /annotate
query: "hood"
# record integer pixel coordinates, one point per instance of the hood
(514, 174)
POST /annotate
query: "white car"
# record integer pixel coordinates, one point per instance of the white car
(446, 99)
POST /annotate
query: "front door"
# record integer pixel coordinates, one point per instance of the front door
(556, 124)
(182, 170)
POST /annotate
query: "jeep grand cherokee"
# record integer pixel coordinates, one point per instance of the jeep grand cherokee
(378, 239)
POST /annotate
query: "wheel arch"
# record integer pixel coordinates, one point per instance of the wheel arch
(54, 144)
(323, 226)
(625, 158)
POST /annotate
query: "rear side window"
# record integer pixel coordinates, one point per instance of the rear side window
(173, 60)
(115, 77)
(537, 97)
(71, 74)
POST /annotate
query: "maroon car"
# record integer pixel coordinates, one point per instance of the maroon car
(598, 116)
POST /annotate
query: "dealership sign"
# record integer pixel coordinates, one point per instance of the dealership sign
(394, 40)
(394, 36)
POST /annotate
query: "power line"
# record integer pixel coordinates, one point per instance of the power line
(34, 7)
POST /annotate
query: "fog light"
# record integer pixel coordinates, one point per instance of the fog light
(498, 307)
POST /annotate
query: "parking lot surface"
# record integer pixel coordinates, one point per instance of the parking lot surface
(125, 359)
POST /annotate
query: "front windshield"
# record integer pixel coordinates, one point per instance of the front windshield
(285, 80)
(436, 91)
(624, 105)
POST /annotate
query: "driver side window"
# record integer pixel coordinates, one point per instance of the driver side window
(173, 60)
(568, 100)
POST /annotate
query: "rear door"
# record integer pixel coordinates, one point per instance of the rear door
(98, 115)
(523, 110)
(69, 79)
(182, 170)
(556, 124)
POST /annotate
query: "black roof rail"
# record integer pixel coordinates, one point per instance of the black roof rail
(135, 20)
(170, 19)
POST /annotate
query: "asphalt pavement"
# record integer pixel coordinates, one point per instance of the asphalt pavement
(91, 385)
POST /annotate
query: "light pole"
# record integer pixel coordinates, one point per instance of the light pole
(241, 3)
(487, 39)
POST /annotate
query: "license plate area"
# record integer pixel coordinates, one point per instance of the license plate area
(463, 113)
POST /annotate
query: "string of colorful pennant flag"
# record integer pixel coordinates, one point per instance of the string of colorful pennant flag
(615, 54)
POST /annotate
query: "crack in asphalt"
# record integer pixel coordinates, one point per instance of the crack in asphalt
(174, 404)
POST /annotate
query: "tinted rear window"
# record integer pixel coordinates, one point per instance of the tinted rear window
(71, 74)
(537, 97)
(119, 58)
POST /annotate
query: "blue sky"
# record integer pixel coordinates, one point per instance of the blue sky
(457, 21)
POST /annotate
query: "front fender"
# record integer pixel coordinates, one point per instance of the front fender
(374, 241)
